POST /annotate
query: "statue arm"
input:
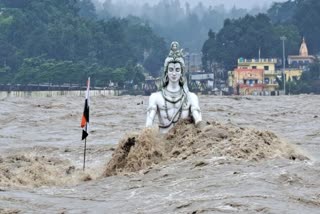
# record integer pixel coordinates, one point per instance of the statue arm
(152, 110)
(195, 108)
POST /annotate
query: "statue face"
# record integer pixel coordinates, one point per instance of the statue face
(174, 46)
(174, 72)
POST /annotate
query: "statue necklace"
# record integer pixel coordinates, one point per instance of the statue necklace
(173, 98)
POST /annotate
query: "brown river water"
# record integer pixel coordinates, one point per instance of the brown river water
(255, 155)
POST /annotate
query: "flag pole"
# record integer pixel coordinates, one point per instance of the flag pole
(84, 152)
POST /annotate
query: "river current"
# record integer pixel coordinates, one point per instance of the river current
(256, 155)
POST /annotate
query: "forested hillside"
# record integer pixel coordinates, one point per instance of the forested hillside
(61, 41)
(244, 37)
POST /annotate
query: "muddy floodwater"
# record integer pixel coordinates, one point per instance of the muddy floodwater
(255, 155)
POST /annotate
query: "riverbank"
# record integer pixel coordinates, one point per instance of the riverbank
(4, 94)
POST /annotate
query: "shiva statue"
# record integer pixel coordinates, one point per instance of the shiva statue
(174, 101)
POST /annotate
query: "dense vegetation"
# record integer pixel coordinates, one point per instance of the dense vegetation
(61, 41)
(302, 13)
(309, 82)
(244, 37)
(65, 41)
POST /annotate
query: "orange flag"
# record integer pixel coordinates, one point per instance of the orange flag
(85, 115)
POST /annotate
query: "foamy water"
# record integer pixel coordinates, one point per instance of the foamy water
(41, 157)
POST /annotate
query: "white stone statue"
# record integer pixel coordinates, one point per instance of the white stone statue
(174, 51)
(174, 101)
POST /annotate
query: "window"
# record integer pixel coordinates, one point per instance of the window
(266, 68)
(254, 67)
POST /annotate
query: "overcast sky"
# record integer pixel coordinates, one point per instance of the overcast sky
(228, 3)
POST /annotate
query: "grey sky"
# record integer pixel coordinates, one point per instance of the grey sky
(228, 3)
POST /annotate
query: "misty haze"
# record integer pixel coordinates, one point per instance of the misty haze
(227, 3)
(172, 19)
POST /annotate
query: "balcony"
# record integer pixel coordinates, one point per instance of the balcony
(267, 60)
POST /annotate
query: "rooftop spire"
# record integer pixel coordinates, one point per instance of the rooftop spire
(303, 48)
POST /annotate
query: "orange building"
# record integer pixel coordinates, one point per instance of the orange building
(248, 81)
(254, 77)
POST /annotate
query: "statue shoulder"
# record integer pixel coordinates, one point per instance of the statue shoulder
(155, 97)
(193, 99)
(193, 95)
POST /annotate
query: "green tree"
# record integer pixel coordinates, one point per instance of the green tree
(309, 81)
(69, 44)
(241, 37)
(87, 9)
(282, 12)
(118, 75)
(293, 41)
(307, 18)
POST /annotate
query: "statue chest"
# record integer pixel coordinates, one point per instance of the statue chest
(168, 110)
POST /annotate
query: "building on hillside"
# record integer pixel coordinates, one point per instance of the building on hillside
(201, 82)
(302, 60)
(254, 77)
(298, 63)
(293, 74)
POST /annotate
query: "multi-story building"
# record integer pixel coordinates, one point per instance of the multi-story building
(254, 77)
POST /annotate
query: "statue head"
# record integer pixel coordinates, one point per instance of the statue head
(174, 46)
(175, 56)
